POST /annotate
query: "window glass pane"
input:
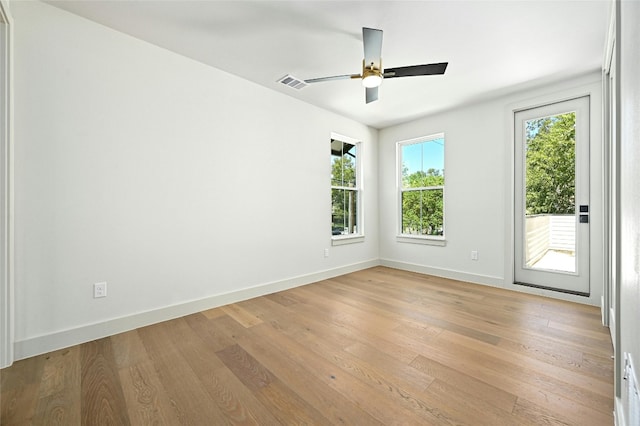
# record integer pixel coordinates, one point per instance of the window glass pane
(433, 157)
(336, 169)
(411, 162)
(344, 214)
(550, 188)
(422, 212)
(349, 165)
(423, 164)
(343, 164)
(411, 212)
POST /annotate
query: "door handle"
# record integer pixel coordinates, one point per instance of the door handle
(584, 218)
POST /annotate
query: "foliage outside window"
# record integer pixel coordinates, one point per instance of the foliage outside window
(422, 187)
(345, 189)
(551, 164)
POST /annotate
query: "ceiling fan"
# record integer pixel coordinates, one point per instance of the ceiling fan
(372, 72)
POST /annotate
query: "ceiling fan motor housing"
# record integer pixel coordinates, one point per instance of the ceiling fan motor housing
(371, 75)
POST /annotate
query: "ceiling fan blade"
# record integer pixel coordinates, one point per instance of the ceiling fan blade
(371, 94)
(372, 40)
(335, 77)
(414, 70)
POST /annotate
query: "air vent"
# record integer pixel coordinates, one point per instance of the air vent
(291, 81)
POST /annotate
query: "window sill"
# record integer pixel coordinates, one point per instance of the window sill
(347, 239)
(421, 240)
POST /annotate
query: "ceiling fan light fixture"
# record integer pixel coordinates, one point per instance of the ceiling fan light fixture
(372, 71)
(372, 80)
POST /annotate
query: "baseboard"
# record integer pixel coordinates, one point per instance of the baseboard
(618, 414)
(50, 342)
(444, 273)
(488, 280)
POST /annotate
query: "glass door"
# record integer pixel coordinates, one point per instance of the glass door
(552, 196)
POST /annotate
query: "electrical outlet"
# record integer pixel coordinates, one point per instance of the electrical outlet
(474, 255)
(326, 252)
(99, 290)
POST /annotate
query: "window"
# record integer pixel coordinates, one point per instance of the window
(345, 188)
(421, 185)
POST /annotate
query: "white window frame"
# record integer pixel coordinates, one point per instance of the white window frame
(437, 240)
(358, 236)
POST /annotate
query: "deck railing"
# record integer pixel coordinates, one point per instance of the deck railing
(546, 232)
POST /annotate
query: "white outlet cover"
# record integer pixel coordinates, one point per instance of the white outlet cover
(100, 290)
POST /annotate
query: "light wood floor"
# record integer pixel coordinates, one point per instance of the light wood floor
(376, 347)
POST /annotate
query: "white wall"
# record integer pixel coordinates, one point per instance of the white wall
(478, 192)
(172, 181)
(630, 195)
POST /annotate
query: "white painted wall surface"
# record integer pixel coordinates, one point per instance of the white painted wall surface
(172, 181)
(630, 192)
(478, 189)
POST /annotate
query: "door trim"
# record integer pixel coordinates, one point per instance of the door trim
(611, 196)
(572, 282)
(588, 85)
(6, 190)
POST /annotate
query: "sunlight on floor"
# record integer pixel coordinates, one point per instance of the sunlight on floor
(557, 261)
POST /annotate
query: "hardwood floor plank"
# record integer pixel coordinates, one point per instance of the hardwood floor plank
(245, 367)
(233, 398)
(420, 314)
(281, 298)
(477, 389)
(241, 315)
(147, 403)
(59, 401)
(296, 375)
(374, 347)
(20, 387)
(103, 402)
(190, 401)
(534, 385)
(597, 366)
(543, 350)
(537, 415)
(202, 326)
(560, 376)
(341, 378)
(128, 349)
(213, 313)
(467, 409)
(289, 408)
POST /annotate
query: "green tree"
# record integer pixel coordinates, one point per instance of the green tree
(422, 209)
(343, 171)
(550, 165)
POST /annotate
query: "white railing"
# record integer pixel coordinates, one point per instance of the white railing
(549, 232)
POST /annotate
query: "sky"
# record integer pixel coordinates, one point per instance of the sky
(424, 156)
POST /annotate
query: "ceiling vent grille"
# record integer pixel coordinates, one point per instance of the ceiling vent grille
(291, 81)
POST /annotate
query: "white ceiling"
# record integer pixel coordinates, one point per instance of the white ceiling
(493, 47)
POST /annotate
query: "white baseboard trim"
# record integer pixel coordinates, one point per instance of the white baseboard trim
(444, 273)
(489, 280)
(50, 342)
(618, 414)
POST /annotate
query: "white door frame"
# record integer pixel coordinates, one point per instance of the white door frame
(6, 189)
(611, 195)
(589, 85)
(569, 282)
